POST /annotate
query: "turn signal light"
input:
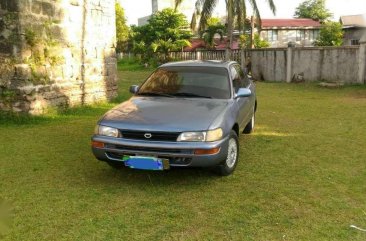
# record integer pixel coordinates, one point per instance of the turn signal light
(97, 144)
(207, 151)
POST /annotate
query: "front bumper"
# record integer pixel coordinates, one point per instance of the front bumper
(178, 153)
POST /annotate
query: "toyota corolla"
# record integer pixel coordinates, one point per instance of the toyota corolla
(186, 114)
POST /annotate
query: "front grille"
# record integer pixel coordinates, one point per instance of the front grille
(154, 136)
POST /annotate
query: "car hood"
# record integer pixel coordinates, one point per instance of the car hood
(164, 114)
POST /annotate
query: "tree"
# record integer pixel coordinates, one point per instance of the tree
(122, 29)
(167, 30)
(314, 9)
(235, 9)
(331, 34)
(213, 27)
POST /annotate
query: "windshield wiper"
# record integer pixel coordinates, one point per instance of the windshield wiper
(182, 94)
(156, 94)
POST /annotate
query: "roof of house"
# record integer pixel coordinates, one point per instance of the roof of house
(290, 23)
(354, 20)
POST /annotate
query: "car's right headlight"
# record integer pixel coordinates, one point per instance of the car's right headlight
(106, 131)
(201, 136)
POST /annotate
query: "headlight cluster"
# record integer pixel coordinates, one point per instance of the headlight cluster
(106, 131)
(209, 136)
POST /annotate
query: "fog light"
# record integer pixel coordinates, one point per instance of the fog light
(207, 151)
(97, 144)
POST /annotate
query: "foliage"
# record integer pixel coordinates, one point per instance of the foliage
(122, 29)
(259, 43)
(213, 27)
(244, 41)
(167, 30)
(236, 13)
(213, 21)
(314, 9)
(331, 34)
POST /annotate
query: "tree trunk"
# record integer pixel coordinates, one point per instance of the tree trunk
(230, 26)
(252, 19)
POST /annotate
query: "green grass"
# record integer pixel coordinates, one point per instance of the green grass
(301, 176)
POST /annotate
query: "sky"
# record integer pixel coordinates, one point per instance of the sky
(135, 9)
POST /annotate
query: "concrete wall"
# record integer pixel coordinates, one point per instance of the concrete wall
(269, 64)
(306, 64)
(58, 53)
(300, 64)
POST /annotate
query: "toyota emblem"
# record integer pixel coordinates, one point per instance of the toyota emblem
(147, 135)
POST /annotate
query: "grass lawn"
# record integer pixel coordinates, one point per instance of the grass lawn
(301, 176)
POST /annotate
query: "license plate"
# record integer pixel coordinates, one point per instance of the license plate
(146, 162)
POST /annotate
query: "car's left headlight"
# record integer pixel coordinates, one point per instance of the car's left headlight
(106, 131)
(200, 136)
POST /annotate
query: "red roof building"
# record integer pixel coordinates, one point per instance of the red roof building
(280, 32)
(289, 23)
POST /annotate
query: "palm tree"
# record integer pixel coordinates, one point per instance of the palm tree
(209, 33)
(236, 10)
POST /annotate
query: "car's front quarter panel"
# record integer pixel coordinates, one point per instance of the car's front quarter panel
(226, 119)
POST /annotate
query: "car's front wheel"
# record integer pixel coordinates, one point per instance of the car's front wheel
(229, 164)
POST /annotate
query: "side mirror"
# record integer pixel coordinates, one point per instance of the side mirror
(243, 92)
(134, 89)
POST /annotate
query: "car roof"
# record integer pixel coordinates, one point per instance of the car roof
(200, 63)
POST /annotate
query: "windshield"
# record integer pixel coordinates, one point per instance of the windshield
(193, 82)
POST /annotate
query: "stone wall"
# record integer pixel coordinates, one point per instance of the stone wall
(57, 53)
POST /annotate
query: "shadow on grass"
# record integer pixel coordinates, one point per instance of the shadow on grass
(179, 177)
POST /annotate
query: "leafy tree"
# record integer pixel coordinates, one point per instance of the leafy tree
(167, 30)
(314, 9)
(213, 27)
(331, 34)
(122, 29)
(245, 42)
(236, 11)
(259, 43)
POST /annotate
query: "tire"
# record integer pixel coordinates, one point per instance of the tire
(228, 166)
(116, 165)
(250, 126)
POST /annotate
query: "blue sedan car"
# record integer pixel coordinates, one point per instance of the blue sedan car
(186, 114)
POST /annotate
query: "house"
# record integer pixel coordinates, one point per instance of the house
(353, 26)
(187, 7)
(279, 32)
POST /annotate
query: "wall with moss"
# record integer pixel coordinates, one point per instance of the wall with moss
(56, 53)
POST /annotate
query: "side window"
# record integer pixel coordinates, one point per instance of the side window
(244, 80)
(235, 78)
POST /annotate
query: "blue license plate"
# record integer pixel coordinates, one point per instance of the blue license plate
(146, 163)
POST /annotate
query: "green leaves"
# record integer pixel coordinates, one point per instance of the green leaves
(330, 35)
(314, 9)
(121, 28)
(166, 31)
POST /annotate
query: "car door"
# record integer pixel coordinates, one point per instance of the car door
(245, 104)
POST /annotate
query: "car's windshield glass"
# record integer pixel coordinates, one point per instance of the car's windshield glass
(188, 82)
